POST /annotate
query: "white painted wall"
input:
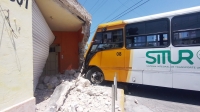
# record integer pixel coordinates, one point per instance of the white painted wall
(16, 53)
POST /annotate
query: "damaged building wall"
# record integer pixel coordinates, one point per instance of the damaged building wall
(42, 39)
(70, 24)
(80, 12)
(16, 57)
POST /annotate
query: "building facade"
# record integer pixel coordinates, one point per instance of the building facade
(37, 37)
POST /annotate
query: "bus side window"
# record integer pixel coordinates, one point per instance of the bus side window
(98, 38)
(105, 39)
(148, 34)
(157, 40)
(187, 38)
(186, 30)
(112, 39)
(117, 38)
(128, 42)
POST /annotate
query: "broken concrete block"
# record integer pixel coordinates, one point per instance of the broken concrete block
(61, 81)
(83, 82)
(41, 79)
(91, 93)
(73, 107)
(41, 86)
(46, 79)
(66, 72)
(77, 74)
(50, 86)
(72, 72)
(79, 88)
(53, 80)
(59, 77)
(83, 96)
(79, 109)
(86, 110)
(58, 96)
(105, 94)
(87, 83)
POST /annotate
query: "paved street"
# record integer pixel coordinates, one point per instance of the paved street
(140, 98)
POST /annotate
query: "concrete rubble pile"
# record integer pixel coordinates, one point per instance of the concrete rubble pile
(70, 92)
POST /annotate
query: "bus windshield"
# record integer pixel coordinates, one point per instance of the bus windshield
(107, 40)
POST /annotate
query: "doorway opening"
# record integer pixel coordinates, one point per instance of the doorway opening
(52, 64)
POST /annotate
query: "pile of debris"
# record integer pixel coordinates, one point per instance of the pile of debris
(70, 92)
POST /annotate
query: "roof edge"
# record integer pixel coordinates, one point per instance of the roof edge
(114, 23)
(164, 14)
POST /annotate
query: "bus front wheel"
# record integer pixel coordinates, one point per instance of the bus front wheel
(95, 76)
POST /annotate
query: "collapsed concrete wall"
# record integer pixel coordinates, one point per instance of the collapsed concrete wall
(62, 16)
(70, 92)
(80, 12)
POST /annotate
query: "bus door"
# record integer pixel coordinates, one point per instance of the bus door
(112, 56)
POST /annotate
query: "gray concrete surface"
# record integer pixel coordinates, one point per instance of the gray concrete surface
(154, 105)
(141, 98)
(157, 99)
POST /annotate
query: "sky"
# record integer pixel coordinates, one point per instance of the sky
(103, 11)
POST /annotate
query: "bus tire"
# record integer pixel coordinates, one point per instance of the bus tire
(95, 76)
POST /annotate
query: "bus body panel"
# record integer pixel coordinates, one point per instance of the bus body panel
(113, 59)
(187, 59)
(96, 60)
(111, 62)
(109, 74)
(157, 71)
(157, 78)
(150, 59)
(144, 72)
(186, 74)
(135, 76)
(186, 80)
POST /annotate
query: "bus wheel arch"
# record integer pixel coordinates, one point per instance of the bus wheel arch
(95, 75)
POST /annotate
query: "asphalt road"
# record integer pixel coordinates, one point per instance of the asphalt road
(141, 98)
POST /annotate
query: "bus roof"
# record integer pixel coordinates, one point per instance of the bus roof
(114, 23)
(162, 15)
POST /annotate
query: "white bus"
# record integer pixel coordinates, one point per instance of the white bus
(159, 50)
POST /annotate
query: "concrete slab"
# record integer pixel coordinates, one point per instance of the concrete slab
(120, 99)
(141, 108)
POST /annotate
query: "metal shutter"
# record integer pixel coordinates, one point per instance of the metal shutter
(42, 39)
